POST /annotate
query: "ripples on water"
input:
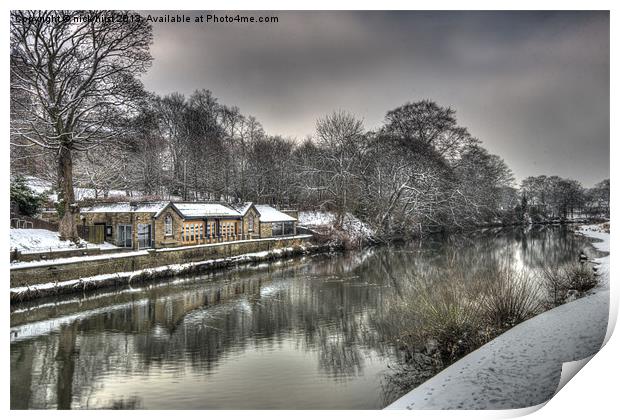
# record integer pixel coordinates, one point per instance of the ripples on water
(291, 334)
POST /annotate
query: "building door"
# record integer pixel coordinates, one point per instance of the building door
(124, 236)
(96, 235)
(92, 233)
(144, 235)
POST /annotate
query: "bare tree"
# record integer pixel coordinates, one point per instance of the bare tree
(340, 137)
(250, 133)
(425, 122)
(171, 111)
(597, 199)
(72, 78)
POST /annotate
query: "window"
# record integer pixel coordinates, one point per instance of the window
(124, 236)
(289, 228)
(168, 225)
(250, 222)
(276, 229)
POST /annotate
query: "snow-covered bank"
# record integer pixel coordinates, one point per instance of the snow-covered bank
(600, 232)
(523, 366)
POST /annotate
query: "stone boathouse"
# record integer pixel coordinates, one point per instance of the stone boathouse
(164, 224)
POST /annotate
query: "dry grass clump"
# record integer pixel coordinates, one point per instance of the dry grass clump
(442, 316)
(449, 318)
(563, 282)
(509, 298)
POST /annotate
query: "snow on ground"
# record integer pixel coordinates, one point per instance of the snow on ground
(39, 240)
(355, 228)
(41, 186)
(522, 367)
(316, 218)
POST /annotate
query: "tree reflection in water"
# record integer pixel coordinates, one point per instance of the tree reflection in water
(322, 308)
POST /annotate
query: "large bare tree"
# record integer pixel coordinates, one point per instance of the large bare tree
(73, 78)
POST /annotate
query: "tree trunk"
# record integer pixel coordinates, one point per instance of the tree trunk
(67, 225)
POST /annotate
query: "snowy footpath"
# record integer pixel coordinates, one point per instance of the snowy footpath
(522, 367)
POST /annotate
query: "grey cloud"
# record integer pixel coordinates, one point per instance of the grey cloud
(533, 86)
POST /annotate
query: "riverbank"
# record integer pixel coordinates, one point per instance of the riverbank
(37, 279)
(522, 367)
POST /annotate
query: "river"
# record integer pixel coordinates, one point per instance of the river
(296, 334)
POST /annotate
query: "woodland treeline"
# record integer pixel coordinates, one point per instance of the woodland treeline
(81, 117)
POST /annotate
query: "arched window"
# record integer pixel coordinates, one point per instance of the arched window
(250, 222)
(168, 225)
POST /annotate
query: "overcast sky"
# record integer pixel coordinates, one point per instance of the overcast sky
(533, 86)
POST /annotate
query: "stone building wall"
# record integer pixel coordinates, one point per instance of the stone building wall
(265, 230)
(115, 219)
(256, 231)
(161, 239)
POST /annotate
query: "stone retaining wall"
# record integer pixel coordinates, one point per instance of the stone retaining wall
(73, 252)
(61, 271)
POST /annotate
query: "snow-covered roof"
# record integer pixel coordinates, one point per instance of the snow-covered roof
(269, 214)
(243, 207)
(127, 207)
(191, 210)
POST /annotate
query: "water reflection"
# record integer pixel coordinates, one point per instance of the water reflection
(294, 334)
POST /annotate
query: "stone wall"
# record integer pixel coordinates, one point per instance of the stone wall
(104, 264)
(76, 252)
